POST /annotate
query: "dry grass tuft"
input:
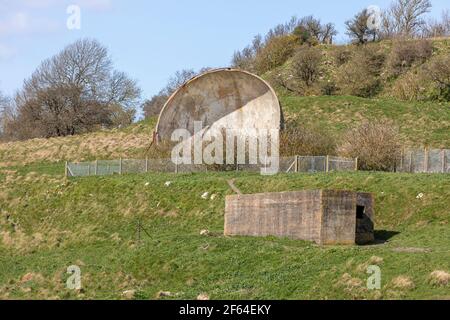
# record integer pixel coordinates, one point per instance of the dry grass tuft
(403, 282)
(373, 261)
(440, 278)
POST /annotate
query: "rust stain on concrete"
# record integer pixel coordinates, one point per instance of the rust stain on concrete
(221, 98)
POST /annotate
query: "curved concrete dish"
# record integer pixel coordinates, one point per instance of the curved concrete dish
(221, 99)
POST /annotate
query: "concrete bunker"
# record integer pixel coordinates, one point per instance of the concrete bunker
(221, 99)
(323, 216)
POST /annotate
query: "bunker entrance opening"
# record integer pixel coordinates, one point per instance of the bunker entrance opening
(360, 212)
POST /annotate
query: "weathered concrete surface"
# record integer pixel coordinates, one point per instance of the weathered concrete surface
(288, 214)
(325, 217)
(221, 99)
(338, 218)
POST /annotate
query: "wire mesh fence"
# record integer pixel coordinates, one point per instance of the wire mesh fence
(425, 161)
(308, 164)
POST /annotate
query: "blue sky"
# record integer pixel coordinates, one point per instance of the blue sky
(150, 40)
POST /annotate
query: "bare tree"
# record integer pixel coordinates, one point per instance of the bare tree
(154, 106)
(3, 101)
(328, 33)
(4, 105)
(358, 28)
(387, 28)
(75, 91)
(283, 29)
(245, 59)
(434, 28)
(311, 28)
(407, 16)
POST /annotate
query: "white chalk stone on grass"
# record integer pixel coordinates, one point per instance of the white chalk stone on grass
(205, 196)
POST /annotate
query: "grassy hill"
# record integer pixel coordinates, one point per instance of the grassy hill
(131, 142)
(400, 71)
(49, 223)
(421, 124)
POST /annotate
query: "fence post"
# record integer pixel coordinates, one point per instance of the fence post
(146, 164)
(410, 161)
(328, 164)
(66, 170)
(297, 164)
(356, 164)
(425, 160)
(401, 160)
(120, 165)
(444, 161)
(96, 167)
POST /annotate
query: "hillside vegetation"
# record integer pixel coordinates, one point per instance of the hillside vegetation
(408, 70)
(132, 141)
(49, 223)
(343, 87)
(421, 124)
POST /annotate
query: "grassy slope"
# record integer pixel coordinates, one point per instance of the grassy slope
(92, 222)
(421, 123)
(48, 223)
(107, 144)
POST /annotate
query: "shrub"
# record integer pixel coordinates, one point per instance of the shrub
(375, 144)
(308, 140)
(328, 87)
(360, 76)
(438, 70)
(306, 64)
(342, 55)
(406, 53)
(275, 53)
(410, 87)
(431, 81)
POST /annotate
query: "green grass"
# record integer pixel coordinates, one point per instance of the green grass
(421, 123)
(48, 224)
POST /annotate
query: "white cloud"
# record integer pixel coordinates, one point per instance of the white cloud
(6, 52)
(22, 22)
(17, 22)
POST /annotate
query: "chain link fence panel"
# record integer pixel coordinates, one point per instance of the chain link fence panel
(424, 161)
(134, 166)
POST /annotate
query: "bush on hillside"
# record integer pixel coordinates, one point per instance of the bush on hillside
(360, 76)
(341, 55)
(307, 140)
(429, 82)
(438, 71)
(406, 53)
(276, 52)
(410, 87)
(306, 64)
(376, 144)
